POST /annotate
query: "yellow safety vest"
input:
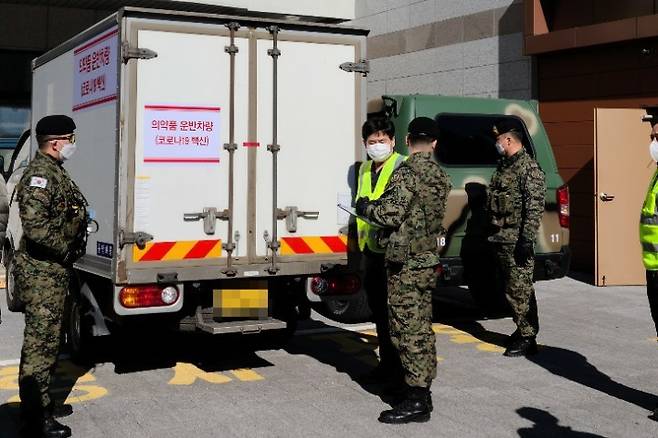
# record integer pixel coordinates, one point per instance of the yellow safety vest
(367, 233)
(649, 226)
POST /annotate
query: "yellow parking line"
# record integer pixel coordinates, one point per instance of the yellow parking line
(247, 375)
(187, 374)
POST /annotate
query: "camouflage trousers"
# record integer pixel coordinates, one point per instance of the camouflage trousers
(42, 286)
(519, 290)
(410, 320)
(374, 283)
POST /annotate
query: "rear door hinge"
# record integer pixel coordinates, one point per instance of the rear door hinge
(128, 53)
(138, 238)
(363, 67)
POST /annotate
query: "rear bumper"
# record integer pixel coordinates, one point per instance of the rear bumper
(548, 266)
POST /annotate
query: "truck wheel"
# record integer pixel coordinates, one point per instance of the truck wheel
(348, 311)
(78, 332)
(13, 303)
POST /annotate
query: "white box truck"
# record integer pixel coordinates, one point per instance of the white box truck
(213, 151)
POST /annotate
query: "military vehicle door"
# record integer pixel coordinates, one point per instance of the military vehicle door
(622, 169)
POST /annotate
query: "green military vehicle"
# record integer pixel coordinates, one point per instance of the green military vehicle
(466, 151)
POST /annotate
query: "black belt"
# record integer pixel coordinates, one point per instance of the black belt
(41, 252)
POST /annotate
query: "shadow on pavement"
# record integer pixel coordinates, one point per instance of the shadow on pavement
(66, 375)
(9, 420)
(210, 354)
(583, 277)
(455, 305)
(547, 426)
(352, 353)
(571, 365)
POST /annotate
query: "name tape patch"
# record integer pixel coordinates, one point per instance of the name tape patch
(37, 181)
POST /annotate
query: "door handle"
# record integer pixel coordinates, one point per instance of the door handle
(606, 198)
(291, 214)
(209, 215)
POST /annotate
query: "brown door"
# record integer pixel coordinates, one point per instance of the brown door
(623, 169)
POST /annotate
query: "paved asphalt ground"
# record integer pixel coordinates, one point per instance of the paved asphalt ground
(596, 375)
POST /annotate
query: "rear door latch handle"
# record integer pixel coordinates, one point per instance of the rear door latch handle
(209, 215)
(291, 214)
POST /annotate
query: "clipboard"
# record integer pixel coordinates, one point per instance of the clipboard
(352, 212)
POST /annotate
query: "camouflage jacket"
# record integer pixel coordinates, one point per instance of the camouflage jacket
(53, 212)
(411, 210)
(516, 198)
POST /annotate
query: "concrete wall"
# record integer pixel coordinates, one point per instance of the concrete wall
(449, 47)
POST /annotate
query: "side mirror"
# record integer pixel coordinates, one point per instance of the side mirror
(92, 226)
(21, 142)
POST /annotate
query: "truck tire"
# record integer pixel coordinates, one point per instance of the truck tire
(348, 311)
(78, 331)
(14, 304)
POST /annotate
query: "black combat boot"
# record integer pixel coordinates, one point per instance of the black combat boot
(513, 338)
(53, 429)
(523, 346)
(62, 410)
(416, 407)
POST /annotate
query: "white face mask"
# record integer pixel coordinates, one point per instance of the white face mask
(653, 150)
(379, 151)
(67, 151)
(500, 149)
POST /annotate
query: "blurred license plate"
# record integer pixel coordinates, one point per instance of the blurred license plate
(240, 303)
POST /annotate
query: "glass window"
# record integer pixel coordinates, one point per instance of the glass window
(14, 120)
(467, 140)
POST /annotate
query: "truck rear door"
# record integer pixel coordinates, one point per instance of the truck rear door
(318, 135)
(180, 162)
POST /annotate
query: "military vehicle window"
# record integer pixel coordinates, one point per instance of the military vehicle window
(466, 140)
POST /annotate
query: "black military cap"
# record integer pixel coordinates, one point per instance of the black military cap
(56, 124)
(424, 127)
(503, 126)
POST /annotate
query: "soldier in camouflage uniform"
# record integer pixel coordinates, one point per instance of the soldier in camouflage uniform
(53, 215)
(516, 204)
(410, 213)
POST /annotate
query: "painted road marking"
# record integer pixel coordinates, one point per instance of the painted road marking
(79, 392)
(356, 342)
(188, 374)
(247, 375)
(461, 337)
(346, 339)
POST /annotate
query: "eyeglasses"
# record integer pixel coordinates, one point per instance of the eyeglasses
(70, 138)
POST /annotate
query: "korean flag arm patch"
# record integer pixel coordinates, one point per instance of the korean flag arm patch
(38, 181)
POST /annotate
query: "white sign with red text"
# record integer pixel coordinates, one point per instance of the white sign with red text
(181, 134)
(95, 71)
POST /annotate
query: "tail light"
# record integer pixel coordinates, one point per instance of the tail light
(336, 285)
(132, 297)
(563, 206)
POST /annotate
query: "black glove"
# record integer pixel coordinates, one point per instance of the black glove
(524, 251)
(361, 206)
